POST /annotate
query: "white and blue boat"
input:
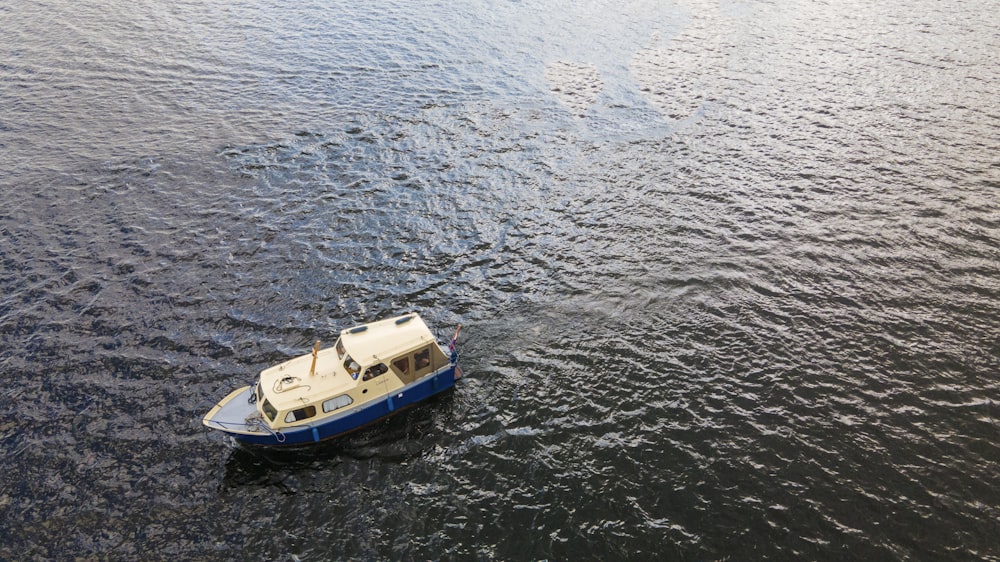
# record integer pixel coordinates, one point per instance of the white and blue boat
(373, 371)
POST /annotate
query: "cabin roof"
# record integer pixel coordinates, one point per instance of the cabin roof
(367, 344)
(382, 340)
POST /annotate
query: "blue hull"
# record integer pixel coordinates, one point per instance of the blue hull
(357, 418)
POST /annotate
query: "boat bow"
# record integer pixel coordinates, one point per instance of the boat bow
(235, 413)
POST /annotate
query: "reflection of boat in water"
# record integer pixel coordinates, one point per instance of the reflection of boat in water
(373, 371)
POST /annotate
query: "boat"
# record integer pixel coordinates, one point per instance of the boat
(373, 371)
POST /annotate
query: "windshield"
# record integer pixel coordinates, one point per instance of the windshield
(269, 410)
(352, 367)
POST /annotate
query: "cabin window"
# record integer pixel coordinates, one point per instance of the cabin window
(340, 349)
(337, 403)
(300, 414)
(352, 367)
(269, 410)
(375, 370)
(402, 364)
(260, 391)
(422, 359)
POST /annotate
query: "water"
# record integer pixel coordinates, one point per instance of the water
(728, 272)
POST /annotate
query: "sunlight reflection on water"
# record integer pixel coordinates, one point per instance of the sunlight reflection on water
(728, 275)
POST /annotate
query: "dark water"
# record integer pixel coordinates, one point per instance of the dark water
(729, 275)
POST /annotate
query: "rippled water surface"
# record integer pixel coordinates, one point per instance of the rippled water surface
(729, 275)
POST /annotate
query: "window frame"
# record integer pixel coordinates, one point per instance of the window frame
(269, 410)
(305, 410)
(417, 369)
(405, 360)
(350, 400)
(376, 370)
(354, 374)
